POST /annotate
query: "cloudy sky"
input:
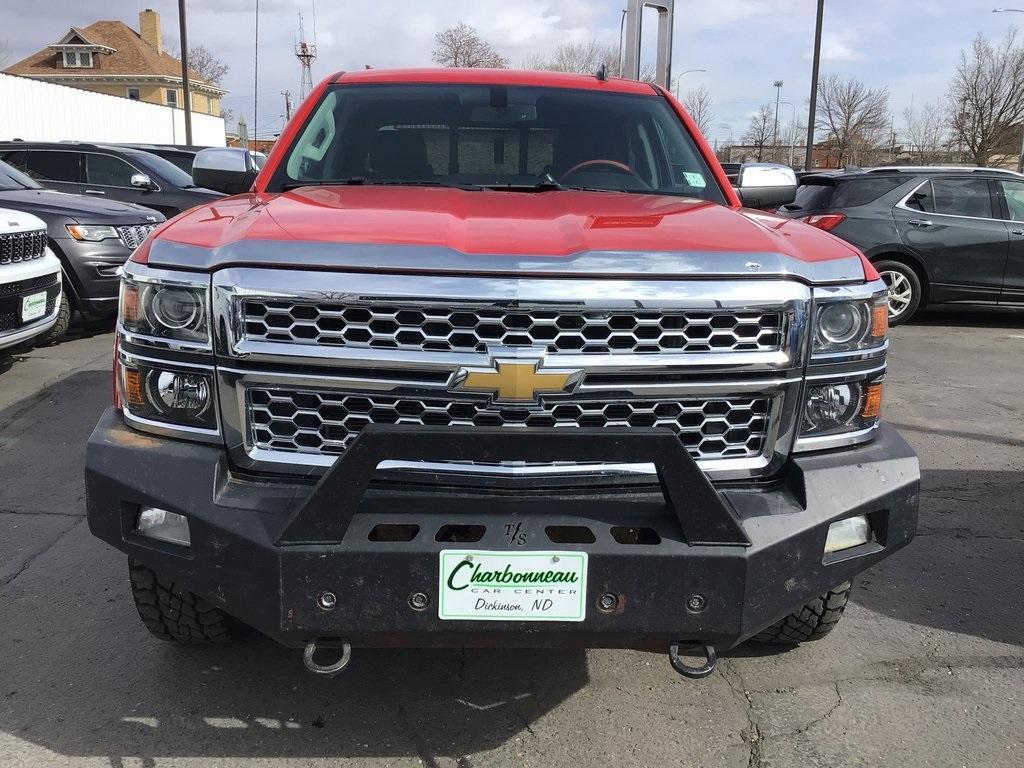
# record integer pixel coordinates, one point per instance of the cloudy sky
(908, 45)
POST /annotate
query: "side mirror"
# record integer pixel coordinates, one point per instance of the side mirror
(142, 181)
(231, 170)
(766, 185)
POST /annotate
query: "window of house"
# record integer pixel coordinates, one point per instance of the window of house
(108, 171)
(53, 166)
(172, 97)
(133, 93)
(77, 59)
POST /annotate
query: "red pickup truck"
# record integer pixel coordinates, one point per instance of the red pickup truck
(497, 357)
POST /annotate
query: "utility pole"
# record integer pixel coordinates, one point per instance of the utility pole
(185, 85)
(811, 115)
(778, 94)
(287, 105)
(256, 76)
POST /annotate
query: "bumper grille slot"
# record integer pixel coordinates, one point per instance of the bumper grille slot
(325, 422)
(436, 328)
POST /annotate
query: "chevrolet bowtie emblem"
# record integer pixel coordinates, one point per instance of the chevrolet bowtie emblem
(515, 381)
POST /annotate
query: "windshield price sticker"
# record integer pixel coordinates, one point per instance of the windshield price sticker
(516, 586)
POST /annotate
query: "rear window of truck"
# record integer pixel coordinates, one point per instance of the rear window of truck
(496, 136)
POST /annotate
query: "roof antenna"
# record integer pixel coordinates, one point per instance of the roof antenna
(602, 72)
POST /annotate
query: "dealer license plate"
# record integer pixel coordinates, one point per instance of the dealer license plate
(516, 586)
(33, 307)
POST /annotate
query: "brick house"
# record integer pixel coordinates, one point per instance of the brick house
(110, 57)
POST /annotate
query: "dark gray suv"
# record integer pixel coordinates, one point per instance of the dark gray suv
(936, 234)
(92, 237)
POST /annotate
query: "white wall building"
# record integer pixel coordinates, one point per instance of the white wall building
(37, 111)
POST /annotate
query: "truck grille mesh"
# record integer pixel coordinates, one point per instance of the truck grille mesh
(326, 422)
(472, 329)
(17, 247)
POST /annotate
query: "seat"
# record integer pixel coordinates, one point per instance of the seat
(400, 155)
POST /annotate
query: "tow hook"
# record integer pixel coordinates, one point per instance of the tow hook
(684, 669)
(327, 670)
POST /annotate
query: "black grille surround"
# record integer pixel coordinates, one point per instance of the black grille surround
(11, 295)
(133, 235)
(450, 328)
(19, 247)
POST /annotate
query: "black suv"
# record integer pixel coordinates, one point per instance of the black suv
(92, 237)
(114, 173)
(936, 234)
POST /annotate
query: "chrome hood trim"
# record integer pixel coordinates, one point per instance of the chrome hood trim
(422, 259)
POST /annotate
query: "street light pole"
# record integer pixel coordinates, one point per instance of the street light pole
(680, 77)
(809, 157)
(185, 85)
(1020, 157)
(778, 94)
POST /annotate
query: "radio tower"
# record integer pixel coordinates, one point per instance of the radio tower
(306, 53)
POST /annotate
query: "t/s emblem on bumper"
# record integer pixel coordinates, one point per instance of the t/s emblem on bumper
(515, 380)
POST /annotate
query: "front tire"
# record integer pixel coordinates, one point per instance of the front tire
(56, 331)
(173, 613)
(905, 290)
(812, 622)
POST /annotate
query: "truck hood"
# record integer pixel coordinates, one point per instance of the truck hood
(83, 209)
(431, 229)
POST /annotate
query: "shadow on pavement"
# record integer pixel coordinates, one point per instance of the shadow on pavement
(970, 317)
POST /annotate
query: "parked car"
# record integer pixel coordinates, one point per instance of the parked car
(435, 260)
(30, 284)
(936, 234)
(108, 172)
(92, 237)
(184, 156)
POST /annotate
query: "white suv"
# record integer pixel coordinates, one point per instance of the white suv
(30, 281)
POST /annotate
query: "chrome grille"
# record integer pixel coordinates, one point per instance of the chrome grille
(325, 422)
(133, 235)
(17, 247)
(450, 328)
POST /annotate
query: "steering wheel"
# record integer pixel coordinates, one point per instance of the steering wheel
(615, 165)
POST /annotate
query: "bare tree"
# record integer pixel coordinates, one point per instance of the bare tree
(462, 46)
(759, 133)
(986, 97)
(202, 61)
(854, 116)
(698, 103)
(927, 133)
(585, 58)
(5, 52)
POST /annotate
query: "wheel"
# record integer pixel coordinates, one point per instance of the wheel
(812, 622)
(905, 290)
(58, 329)
(170, 612)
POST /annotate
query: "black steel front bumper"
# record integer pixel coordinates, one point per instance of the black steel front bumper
(263, 550)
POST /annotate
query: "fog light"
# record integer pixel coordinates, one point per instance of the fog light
(848, 533)
(182, 391)
(162, 525)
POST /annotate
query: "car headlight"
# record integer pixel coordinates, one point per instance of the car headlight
(92, 232)
(850, 325)
(838, 407)
(167, 394)
(166, 309)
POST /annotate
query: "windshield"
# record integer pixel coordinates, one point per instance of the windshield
(478, 136)
(171, 173)
(12, 178)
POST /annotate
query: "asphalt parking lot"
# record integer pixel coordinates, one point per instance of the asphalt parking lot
(927, 668)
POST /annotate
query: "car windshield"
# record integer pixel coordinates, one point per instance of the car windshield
(12, 178)
(167, 170)
(504, 137)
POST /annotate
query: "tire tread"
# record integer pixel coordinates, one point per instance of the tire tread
(172, 613)
(811, 622)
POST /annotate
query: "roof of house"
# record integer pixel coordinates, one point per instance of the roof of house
(132, 56)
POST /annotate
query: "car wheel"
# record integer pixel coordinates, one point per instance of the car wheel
(904, 288)
(811, 622)
(58, 329)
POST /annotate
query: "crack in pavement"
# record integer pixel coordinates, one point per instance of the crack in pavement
(32, 558)
(32, 512)
(752, 735)
(418, 741)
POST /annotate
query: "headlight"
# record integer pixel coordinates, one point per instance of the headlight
(847, 326)
(169, 395)
(92, 232)
(173, 310)
(832, 409)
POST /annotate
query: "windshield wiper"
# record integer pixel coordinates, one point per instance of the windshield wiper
(547, 184)
(359, 181)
